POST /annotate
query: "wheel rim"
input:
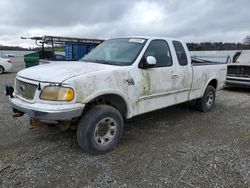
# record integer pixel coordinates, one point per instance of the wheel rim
(210, 99)
(105, 131)
(1, 70)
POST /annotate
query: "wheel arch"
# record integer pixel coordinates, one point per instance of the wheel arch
(115, 98)
(213, 82)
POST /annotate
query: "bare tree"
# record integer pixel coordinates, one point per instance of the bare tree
(247, 40)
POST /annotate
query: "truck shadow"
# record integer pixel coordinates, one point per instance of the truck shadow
(146, 124)
(166, 117)
(238, 89)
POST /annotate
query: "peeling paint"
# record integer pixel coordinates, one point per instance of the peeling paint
(146, 83)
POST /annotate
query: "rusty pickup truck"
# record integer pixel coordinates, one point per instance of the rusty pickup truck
(120, 79)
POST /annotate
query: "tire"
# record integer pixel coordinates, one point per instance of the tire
(1, 69)
(100, 129)
(206, 103)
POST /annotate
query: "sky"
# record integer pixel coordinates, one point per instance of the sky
(191, 21)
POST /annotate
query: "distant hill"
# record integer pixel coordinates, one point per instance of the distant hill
(16, 48)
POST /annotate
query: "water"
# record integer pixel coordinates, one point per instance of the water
(221, 56)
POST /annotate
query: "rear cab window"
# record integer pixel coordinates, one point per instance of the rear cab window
(180, 53)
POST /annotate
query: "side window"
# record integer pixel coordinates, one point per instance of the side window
(160, 50)
(180, 52)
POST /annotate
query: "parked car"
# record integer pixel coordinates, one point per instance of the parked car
(5, 65)
(120, 79)
(9, 55)
(238, 72)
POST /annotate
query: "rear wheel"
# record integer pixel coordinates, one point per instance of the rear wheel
(206, 103)
(1, 69)
(100, 129)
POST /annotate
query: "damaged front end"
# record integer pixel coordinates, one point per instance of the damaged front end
(25, 98)
(9, 90)
(61, 125)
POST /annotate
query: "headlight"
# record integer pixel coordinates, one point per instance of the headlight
(57, 93)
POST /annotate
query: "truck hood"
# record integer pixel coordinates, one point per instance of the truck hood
(59, 72)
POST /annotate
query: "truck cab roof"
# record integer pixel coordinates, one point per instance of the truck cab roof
(150, 38)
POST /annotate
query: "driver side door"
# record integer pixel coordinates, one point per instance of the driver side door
(158, 83)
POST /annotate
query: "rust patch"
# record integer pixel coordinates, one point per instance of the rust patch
(64, 125)
(36, 123)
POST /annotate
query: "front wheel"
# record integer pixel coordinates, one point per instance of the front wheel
(100, 129)
(206, 103)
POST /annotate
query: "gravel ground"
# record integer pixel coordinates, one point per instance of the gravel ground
(174, 147)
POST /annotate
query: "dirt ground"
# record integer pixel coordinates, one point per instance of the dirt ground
(173, 147)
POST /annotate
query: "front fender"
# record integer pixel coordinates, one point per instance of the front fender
(108, 92)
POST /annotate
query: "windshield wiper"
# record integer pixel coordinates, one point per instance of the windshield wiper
(103, 62)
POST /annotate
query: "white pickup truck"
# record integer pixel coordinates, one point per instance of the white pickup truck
(120, 79)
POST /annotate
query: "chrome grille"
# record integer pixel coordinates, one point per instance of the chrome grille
(238, 71)
(25, 89)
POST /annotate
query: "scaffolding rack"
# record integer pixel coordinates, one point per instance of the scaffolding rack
(52, 40)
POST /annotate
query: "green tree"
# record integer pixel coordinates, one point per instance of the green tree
(247, 40)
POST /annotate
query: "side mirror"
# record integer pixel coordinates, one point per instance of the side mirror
(151, 60)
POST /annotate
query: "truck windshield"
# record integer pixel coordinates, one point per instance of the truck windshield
(121, 52)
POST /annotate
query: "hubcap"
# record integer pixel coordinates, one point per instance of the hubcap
(210, 99)
(105, 131)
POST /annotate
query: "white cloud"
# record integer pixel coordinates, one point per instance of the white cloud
(200, 20)
(145, 13)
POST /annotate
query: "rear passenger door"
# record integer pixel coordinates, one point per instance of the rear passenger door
(183, 71)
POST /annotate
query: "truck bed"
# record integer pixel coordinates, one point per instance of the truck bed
(204, 72)
(199, 62)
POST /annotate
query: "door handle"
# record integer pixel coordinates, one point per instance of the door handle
(174, 76)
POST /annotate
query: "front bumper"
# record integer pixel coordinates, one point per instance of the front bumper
(238, 83)
(48, 111)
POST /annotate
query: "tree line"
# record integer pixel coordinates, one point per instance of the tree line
(14, 48)
(209, 46)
